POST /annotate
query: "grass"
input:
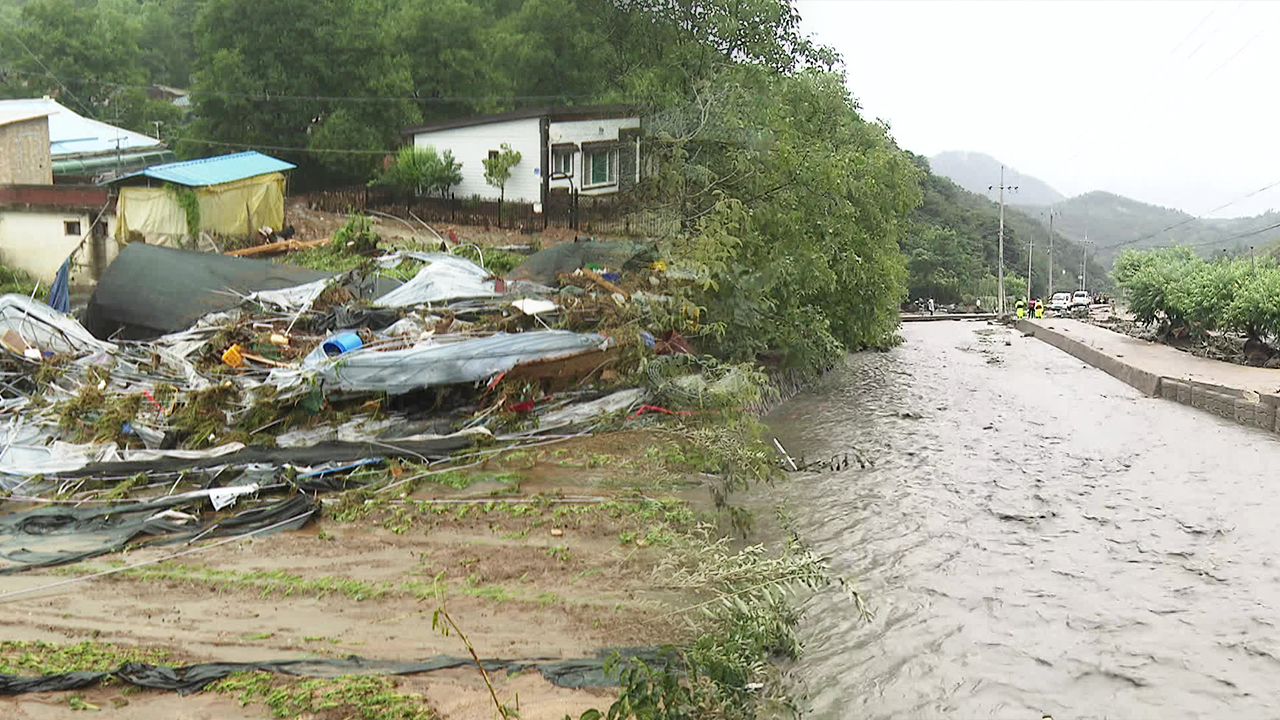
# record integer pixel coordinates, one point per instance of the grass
(280, 583)
(365, 697)
(265, 582)
(35, 657)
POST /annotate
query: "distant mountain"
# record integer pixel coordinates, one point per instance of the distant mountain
(1113, 223)
(976, 172)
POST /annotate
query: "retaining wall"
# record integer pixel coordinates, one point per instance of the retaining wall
(1244, 406)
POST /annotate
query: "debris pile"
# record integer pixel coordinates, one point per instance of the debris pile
(207, 395)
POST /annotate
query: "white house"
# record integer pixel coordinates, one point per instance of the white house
(593, 149)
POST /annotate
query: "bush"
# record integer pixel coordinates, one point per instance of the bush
(424, 170)
(1183, 292)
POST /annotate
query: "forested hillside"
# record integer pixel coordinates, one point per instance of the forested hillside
(951, 252)
(1114, 223)
(976, 172)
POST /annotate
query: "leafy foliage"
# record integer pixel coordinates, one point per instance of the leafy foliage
(953, 243)
(189, 201)
(424, 170)
(792, 215)
(1180, 291)
(356, 237)
(497, 167)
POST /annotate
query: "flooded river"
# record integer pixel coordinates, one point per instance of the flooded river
(1034, 538)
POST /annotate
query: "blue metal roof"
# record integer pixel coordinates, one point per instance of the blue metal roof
(72, 134)
(215, 170)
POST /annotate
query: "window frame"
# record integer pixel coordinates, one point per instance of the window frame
(67, 225)
(611, 170)
(562, 168)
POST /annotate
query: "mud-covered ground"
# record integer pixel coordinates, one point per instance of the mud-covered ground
(524, 575)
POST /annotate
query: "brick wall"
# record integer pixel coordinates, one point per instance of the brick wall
(24, 152)
(53, 196)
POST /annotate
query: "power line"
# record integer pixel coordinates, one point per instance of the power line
(351, 151)
(267, 96)
(1240, 236)
(1191, 219)
(49, 72)
(1154, 71)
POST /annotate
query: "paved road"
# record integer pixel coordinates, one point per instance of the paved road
(1042, 539)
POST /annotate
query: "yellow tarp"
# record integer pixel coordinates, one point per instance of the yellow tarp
(236, 208)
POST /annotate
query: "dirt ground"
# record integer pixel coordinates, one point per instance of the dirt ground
(317, 224)
(524, 577)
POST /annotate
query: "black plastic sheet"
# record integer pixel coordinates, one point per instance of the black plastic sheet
(572, 673)
(61, 534)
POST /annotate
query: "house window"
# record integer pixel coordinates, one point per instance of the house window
(493, 154)
(602, 167)
(71, 227)
(562, 162)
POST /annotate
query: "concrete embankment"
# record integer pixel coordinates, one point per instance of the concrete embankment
(1248, 395)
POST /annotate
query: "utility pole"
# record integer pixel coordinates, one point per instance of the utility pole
(1084, 265)
(1051, 214)
(1031, 246)
(1000, 258)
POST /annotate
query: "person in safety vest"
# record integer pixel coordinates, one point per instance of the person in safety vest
(1021, 307)
(1039, 308)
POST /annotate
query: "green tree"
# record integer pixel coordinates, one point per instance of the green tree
(85, 55)
(424, 170)
(497, 171)
(277, 73)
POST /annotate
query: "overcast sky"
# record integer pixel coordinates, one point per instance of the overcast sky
(1171, 103)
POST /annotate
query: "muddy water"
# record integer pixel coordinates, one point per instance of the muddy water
(1041, 539)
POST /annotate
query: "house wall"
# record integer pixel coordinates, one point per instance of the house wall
(589, 131)
(24, 152)
(471, 145)
(35, 240)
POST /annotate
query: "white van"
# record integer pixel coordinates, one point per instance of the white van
(1060, 302)
(1080, 298)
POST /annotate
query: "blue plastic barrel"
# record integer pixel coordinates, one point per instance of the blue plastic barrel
(342, 343)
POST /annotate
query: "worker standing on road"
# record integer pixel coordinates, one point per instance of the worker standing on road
(1021, 307)
(1039, 308)
(931, 306)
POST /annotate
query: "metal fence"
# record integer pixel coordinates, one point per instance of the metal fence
(589, 214)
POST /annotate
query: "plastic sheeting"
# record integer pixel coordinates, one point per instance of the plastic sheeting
(187, 679)
(431, 364)
(543, 265)
(28, 452)
(41, 326)
(582, 412)
(444, 277)
(293, 299)
(236, 208)
(60, 534)
(149, 291)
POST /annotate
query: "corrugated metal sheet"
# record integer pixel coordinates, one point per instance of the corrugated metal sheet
(216, 170)
(124, 162)
(72, 134)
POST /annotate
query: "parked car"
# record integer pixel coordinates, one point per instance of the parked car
(1080, 298)
(1060, 302)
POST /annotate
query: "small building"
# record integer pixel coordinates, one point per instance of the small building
(83, 150)
(43, 225)
(24, 147)
(235, 195)
(593, 150)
